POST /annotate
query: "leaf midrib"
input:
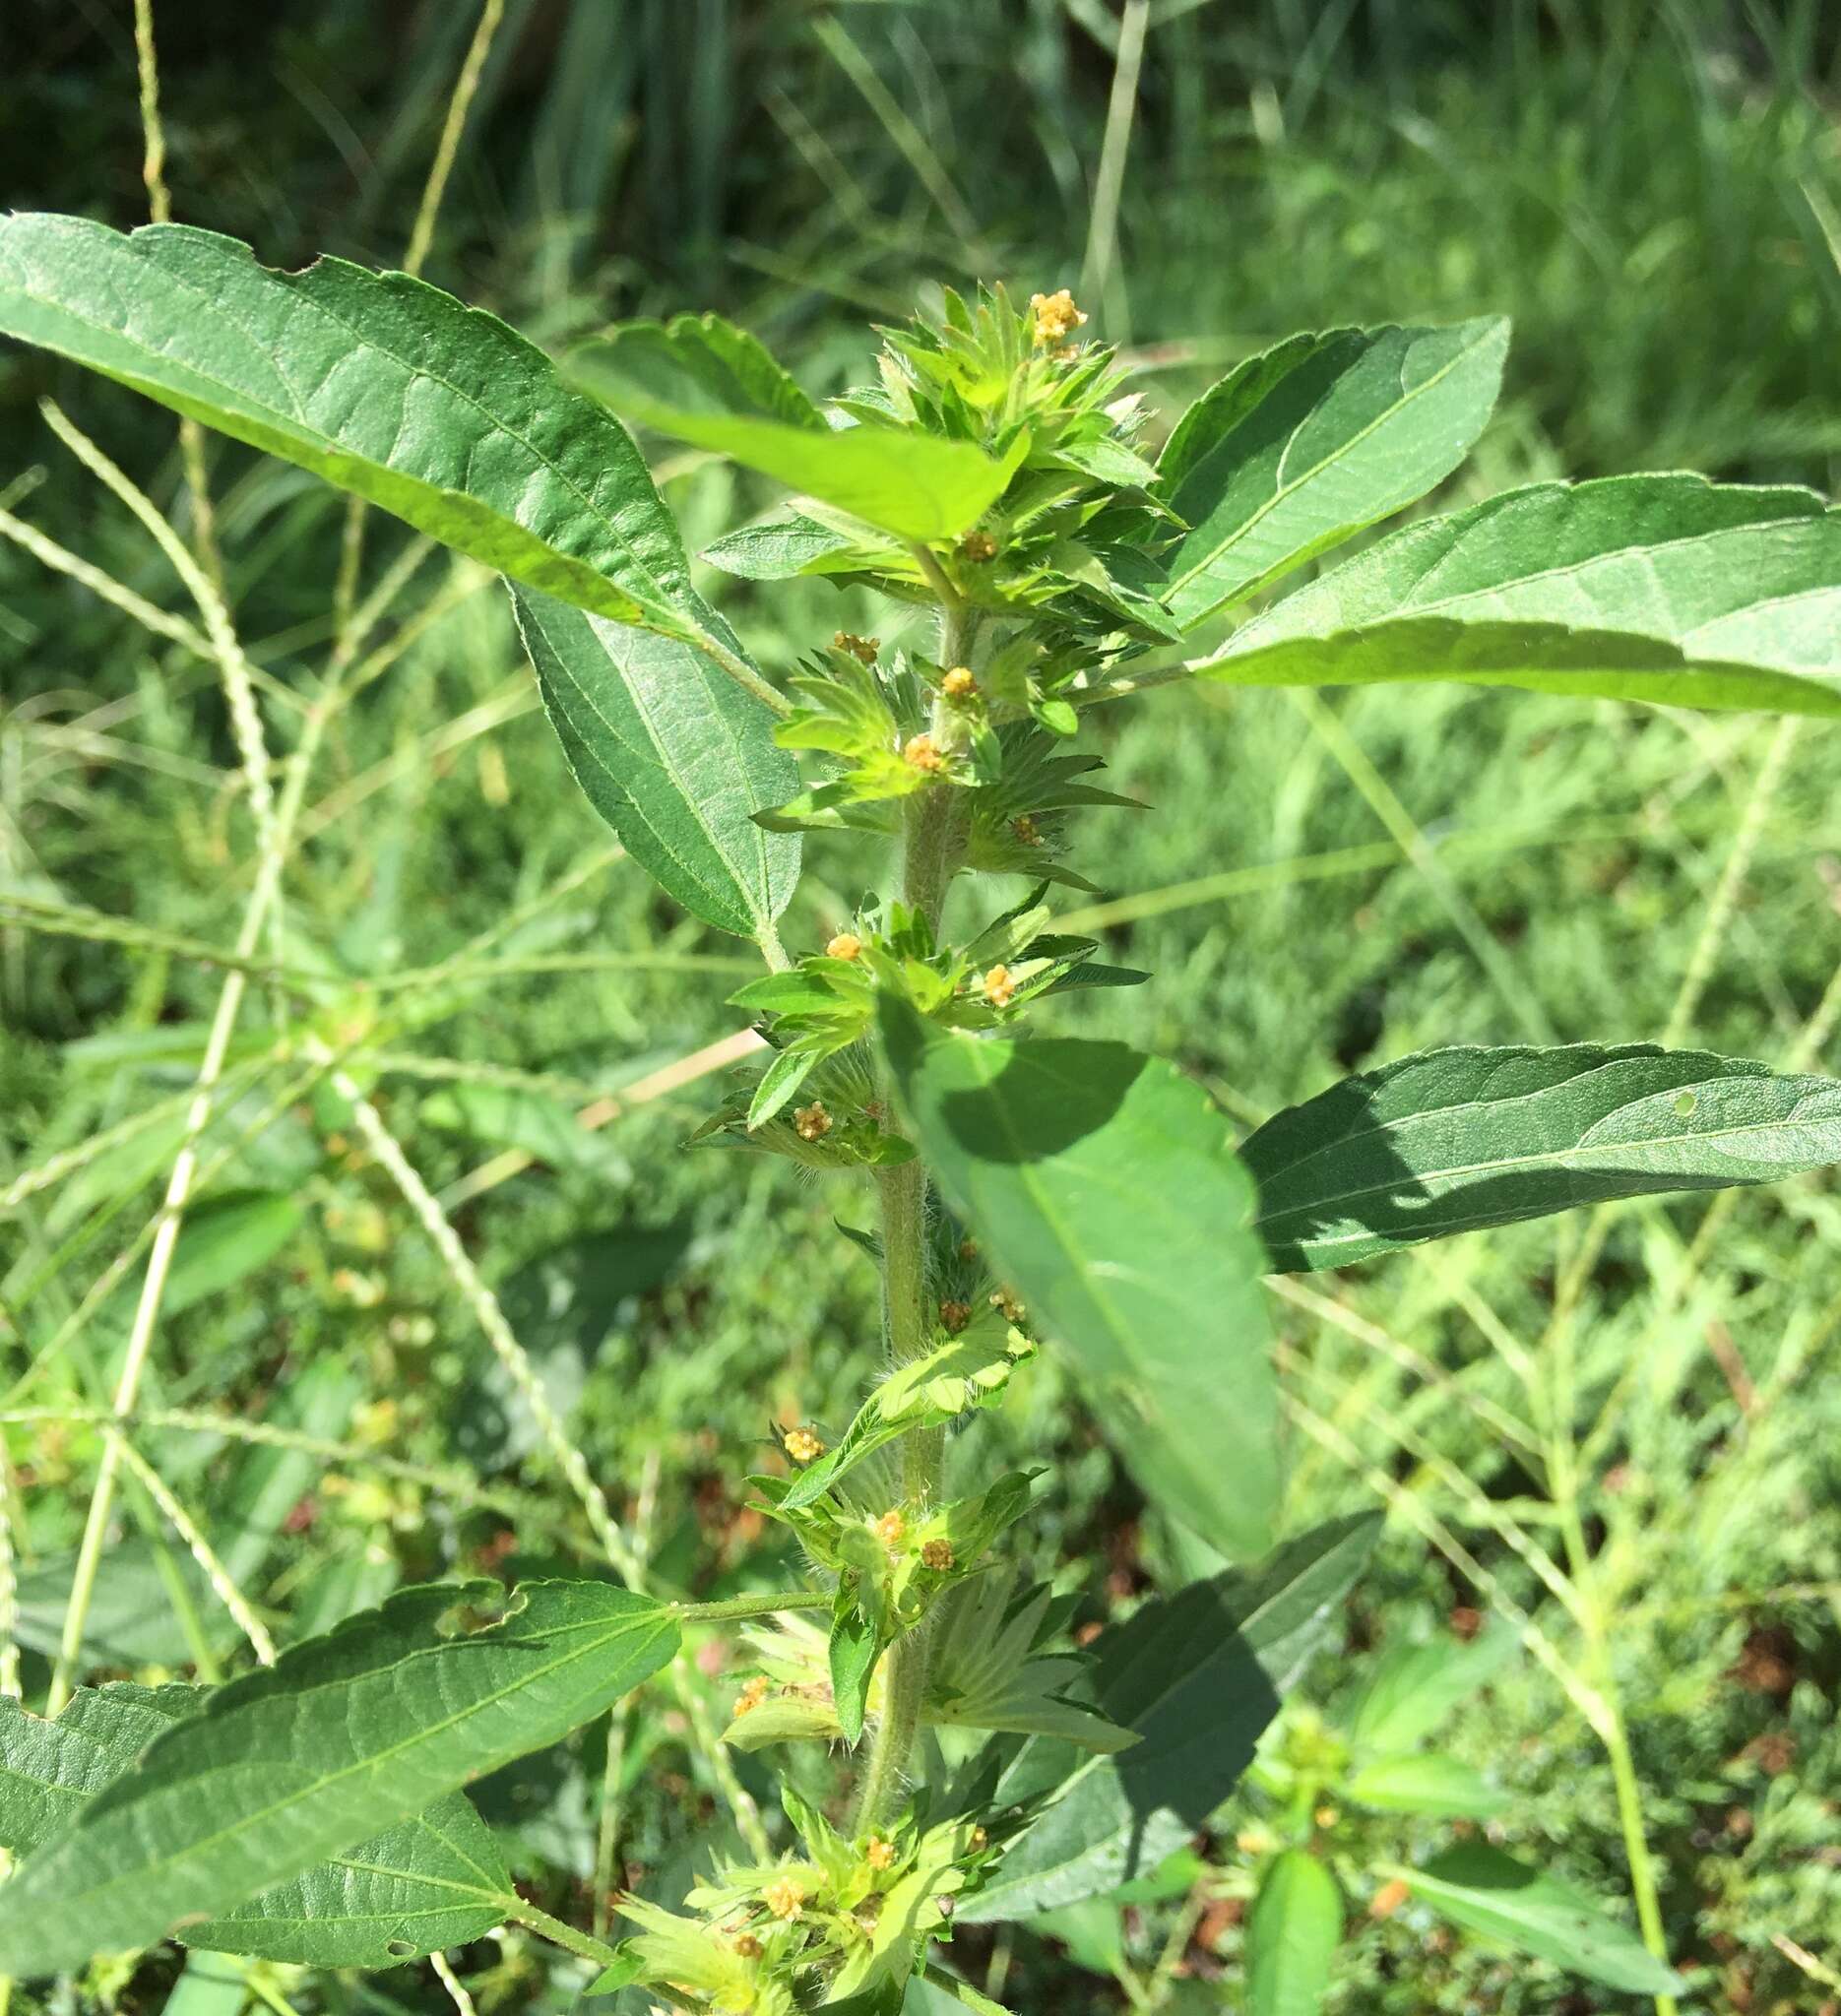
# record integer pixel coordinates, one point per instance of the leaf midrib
(1345, 448)
(148, 1870)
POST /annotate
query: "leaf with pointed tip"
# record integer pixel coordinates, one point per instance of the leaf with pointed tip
(435, 1881)
(1424, 1784)
(1103, 1186)
(673, 755)
(1312, 440)
(379, 383)
(1667, 588)
(1450, 1140)
(1489, 1893)
(915, 485)
(359, 1730)
(1412, 1687)
(780, 547)
(1291, 1936)
(1196, 1677)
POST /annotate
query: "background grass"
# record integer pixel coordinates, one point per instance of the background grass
(1654, 192)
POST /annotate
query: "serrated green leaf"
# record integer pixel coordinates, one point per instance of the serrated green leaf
(227, 1237)
(379, 383)
(362, 1729)
(1104, 1188)
(1487, 1892)
(1196, 1677)
(433, 1882)
(1291, 1936)
(1450, 1140)
(673, 755)
(915, 485)
(1424, 1784)
(704, 363)
(1667, 588)
(1410, 1689)
(779, 549)
(1312, 440)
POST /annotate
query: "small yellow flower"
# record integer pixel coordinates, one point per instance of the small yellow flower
(1054, 316)
(968, 1248)
(1000, 988)
(936, 1555)
(954, 1316)
(846, 945)
(1005, 1299)
(750, 1697)
(889, 1528)
(923, 752)
(783, 1898)
(880, 1854)
(812, 1122)
(978, 546)
(862, 648)
(1326, 1816)
(1388, 1899)
(979, 1839)
(1025, 831)
(959, 684)
(803, 1446)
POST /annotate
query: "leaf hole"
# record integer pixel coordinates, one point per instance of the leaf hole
(464, 1620)
(1685, 1102)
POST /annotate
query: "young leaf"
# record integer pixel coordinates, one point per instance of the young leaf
(1292, 1938)
(780, 547)
(1422, 1784)
(855, 1646)
(1103, 1186)
(915, 485)
(358, 1729)
(436, 1881)
(1489, 1893)
(1196, 1677)
(673, 755)
(1312, 440)
(1412, 1688)
(1449, 1140)
(379, 383)
(1660, 588)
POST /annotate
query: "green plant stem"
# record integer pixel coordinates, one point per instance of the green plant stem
(553, 1929)
(761, 1605)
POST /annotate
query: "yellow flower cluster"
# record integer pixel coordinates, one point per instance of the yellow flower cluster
(1054, 316)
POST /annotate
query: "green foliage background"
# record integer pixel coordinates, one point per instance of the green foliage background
(1653, 192)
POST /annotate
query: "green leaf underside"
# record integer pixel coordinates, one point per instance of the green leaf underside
(1292, 1938)
(435, 1881)
(1489, 1893)
(364, 1728)
(673, 755)
(1451, 1140)
(1103, 1185)
(1314, 440)
(1667, 588)
(1196, 1677)
(915, 485)
(779, 549)
(382, 385)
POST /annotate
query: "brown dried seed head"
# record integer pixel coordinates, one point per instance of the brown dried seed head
(803, 1446)
(959, 684)
(812, 1122)
(1054, 316)
(978, 546)
(749, 1946)
(783, 1898)
(889, 1528)
(979, 1839)
(923, 752)
(999, 989)
(1005, 1299)
(846, 945)
(936, 1555)
(1025, 831)
(880, 1854)
(968, 1248)
(862, 647)
(954, 1316)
